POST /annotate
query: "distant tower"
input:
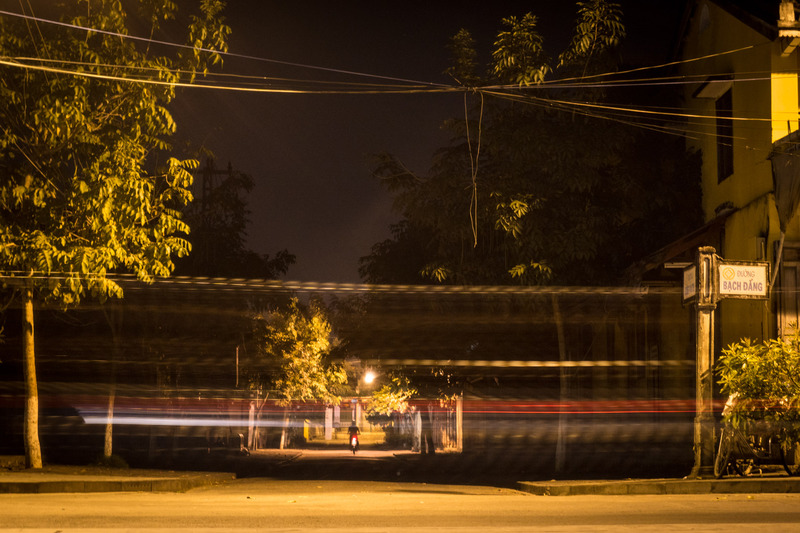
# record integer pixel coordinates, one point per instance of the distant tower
(209, 220)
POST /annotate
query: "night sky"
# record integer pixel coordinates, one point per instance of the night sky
(309, 154)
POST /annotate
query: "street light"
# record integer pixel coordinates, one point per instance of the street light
(369, 377)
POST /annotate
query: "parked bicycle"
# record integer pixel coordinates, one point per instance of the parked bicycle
(745, 453)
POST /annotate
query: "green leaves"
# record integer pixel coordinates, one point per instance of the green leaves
(599, 29)
(299, 341)
(77, 202)
(392, 397)
(519, 55)
(464, 61)
(764, 381)
(510, 212)
(438, 272)
(532, 273)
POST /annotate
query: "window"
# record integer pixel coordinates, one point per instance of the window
(789, 282)
(724, 109)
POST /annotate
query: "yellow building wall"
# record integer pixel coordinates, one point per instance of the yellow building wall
(765, 106)
(714, 37)
(784, 92)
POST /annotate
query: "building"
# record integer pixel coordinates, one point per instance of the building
(739, 62)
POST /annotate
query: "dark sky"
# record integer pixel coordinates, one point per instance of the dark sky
(309, 154)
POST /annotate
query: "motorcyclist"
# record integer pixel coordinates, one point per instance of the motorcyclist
(353, 432)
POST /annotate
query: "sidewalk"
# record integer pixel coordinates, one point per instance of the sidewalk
(15, 480)
(768, 483)
(77, 479)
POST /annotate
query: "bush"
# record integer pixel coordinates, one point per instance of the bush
(762, 382)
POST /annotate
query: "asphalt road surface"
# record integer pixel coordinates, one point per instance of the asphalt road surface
(503, 468)
(359, 506)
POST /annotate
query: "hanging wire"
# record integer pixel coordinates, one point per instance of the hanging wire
(107, 77)
(199, 49)
(473, 162)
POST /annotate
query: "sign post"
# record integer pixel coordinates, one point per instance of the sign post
(705, 283)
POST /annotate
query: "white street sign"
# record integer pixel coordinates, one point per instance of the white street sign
(743, 280)
(689, 282)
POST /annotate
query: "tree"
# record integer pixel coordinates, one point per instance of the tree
(219, 218)
(297, 342)
(533, 190)
(392, 397)
(81, 126)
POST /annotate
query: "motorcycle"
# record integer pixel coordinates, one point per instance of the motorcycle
(354, 443)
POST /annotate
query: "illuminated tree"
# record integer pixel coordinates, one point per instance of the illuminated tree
(392, 397)
(297, 342)
(86, 188)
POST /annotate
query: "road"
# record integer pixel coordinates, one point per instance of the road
(336, 506)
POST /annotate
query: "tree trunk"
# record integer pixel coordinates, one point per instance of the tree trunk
(285, 433)
(108, 442)
(561, 438)
(114, 319)
(33, 450)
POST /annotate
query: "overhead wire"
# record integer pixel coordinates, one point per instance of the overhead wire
(250, 80)
(613, 113)
(473, 162)
(671, 63)
(210, 50)
(607, 111)
(107, 77)
(619, 118)
(638, 82)
(638, 110)
(560, 83)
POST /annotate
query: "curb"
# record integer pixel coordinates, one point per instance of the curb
(129, 484)
(662, 486)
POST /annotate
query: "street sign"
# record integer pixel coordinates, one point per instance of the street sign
(705, 283)
(743, 279)
(689, 282)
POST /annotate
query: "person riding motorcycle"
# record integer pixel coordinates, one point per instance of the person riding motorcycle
(353, 431)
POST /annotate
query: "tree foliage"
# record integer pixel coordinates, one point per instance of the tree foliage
(77, 199)
(297, 342)
(560, 194)
(86, 188)
(764, 382)
(519, 54)
(599, 29)
(392, 397)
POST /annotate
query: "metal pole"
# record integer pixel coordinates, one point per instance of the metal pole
(707, 296)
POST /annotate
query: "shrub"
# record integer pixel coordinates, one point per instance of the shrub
(762, 382)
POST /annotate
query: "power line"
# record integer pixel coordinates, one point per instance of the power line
(228, 54)
(292, 86)
(631, 109)
(560, 83)
(107, 77)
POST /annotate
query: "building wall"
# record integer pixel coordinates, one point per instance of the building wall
(711, 37)
(764, 87)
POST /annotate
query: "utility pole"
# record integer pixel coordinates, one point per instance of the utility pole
(705, 283)
(705, 306)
